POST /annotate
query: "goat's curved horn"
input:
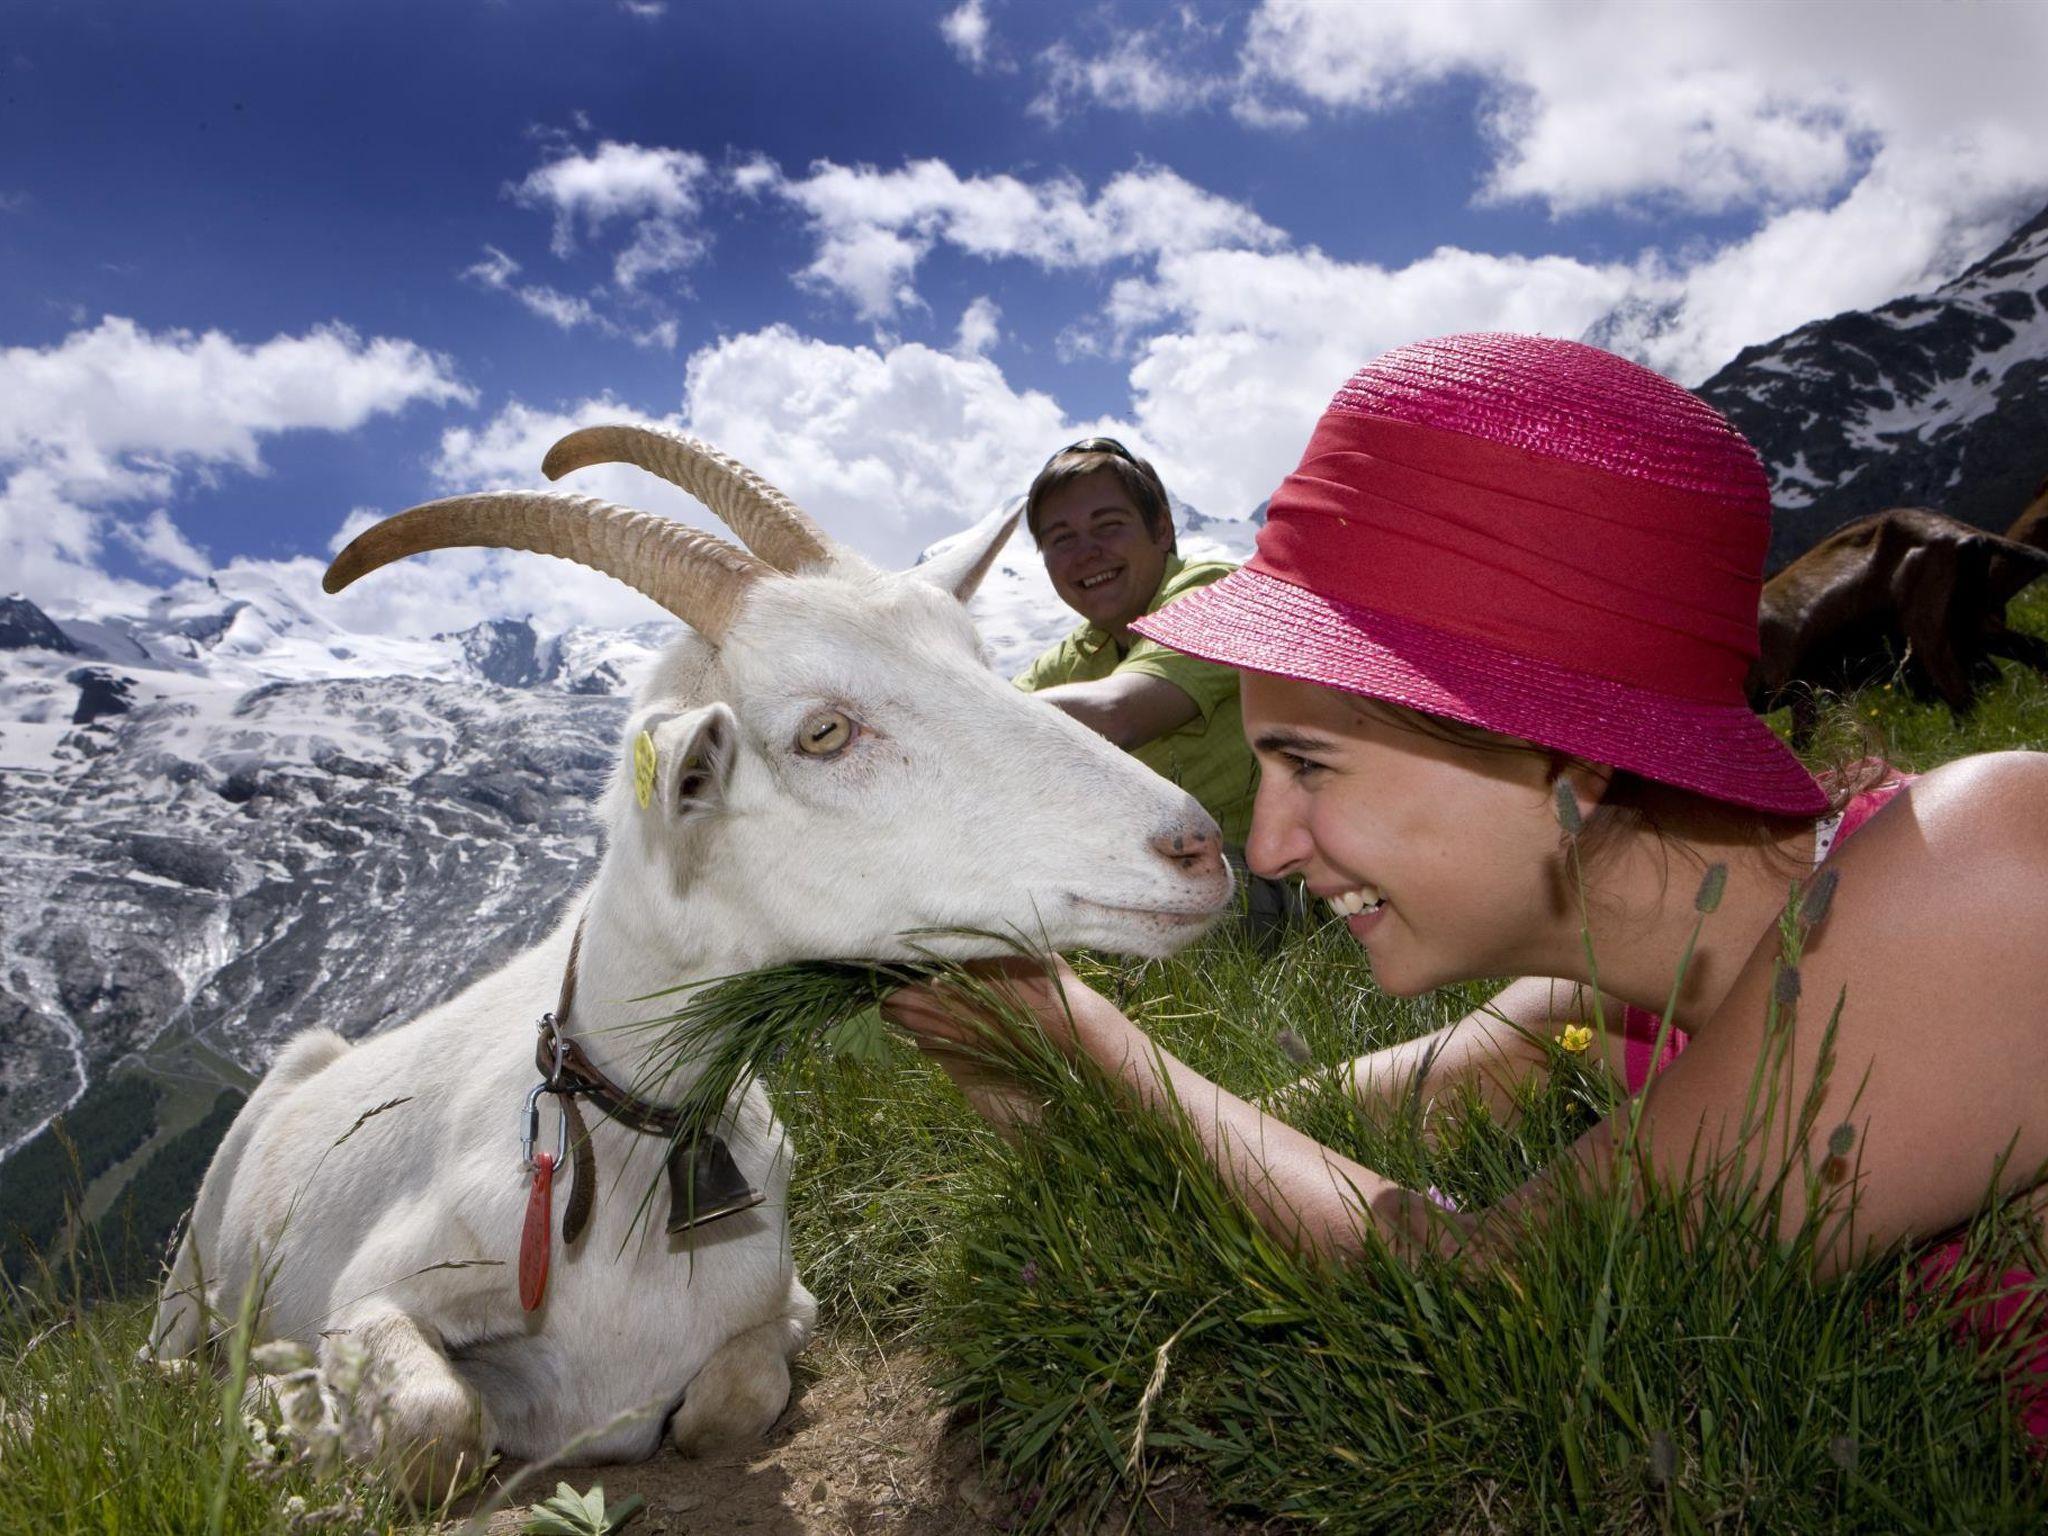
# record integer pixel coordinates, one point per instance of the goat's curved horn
(696, 576)
(768, 522)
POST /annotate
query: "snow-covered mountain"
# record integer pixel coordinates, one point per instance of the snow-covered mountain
(226, 818)
(195, 852)
(1938, 400)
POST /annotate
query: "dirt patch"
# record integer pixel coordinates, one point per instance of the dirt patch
(866, 1446)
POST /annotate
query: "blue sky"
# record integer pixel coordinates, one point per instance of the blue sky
(274, 269)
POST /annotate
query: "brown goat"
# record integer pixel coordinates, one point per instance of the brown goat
(1906, 589)
(2031, 526)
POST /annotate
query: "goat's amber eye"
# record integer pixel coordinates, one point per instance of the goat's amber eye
(825, 733)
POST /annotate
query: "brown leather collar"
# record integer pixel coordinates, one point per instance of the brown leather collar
(567, 1070)
(704, 1183)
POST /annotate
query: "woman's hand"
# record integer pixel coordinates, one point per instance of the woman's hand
(954, 1027)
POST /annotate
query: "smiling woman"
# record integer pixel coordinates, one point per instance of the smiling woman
(1492, 649)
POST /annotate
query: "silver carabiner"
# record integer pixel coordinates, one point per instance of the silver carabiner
(530, 1130)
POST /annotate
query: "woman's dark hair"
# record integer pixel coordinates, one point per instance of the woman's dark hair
(1076, 461)
(1847, 760)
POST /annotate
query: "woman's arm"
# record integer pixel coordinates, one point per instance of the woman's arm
(1308, 1196)
(1496, 1048)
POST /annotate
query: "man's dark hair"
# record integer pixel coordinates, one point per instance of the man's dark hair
(1140, 482)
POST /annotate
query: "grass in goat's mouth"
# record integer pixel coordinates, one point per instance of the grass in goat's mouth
(726, 1033)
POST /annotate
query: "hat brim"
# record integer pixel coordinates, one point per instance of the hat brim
(1260, 623)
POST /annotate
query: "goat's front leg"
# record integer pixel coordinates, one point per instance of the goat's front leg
(744, 1386)
(437, 1436)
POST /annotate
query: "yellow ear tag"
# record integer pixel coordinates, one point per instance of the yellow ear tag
(643, 768)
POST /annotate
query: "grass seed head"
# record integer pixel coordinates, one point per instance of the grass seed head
(1813, 911)
(1568, 810)
(1786, 988)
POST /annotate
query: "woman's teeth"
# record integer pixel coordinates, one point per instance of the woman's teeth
(1351, 903)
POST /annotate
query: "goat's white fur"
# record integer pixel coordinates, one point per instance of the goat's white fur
(961, 802)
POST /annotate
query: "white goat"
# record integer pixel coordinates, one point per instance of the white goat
(833, 765)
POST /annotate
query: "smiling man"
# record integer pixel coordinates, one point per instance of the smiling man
(1103, 525)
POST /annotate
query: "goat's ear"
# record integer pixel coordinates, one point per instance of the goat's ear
(962, 561)
(681, 763)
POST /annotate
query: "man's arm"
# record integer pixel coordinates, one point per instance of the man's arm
(1128, 708)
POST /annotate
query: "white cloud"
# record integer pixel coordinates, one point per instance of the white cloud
(615, 181)
(50, 545)
(645, 10)
(874, 227)
(1880, 146)
(654, 193)
(1152, 71)
(161, 542)
(1707, 106)
(1239, 351)
(566, 310)
(889, 448)
(497, 271)
(980, 327)
(115, 415)
(966, 31)
(657, 246)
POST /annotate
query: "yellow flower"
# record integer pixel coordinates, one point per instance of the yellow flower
(1576, 1037)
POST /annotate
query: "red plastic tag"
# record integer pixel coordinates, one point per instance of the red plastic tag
(537, 1237)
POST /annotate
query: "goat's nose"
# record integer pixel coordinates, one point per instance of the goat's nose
(1193, 850)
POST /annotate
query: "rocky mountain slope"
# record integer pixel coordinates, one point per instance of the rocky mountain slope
(1937, 400)
(224, 819)
(338, 852)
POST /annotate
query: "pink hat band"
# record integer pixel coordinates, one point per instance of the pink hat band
(1651, 586)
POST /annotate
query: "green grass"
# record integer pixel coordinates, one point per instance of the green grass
(93, 1443)
(1731, 1390)
(1104, 1312)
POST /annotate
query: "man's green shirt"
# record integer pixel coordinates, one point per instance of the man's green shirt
(1207, 757)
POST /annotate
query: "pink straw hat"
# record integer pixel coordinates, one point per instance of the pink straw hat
(1531, 536)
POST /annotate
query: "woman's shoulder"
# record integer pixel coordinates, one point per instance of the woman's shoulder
(2001, 796)
(1960, 832)
(1942, 894)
